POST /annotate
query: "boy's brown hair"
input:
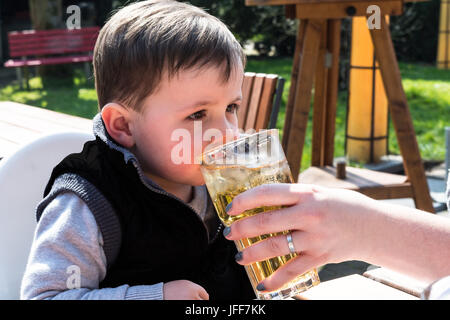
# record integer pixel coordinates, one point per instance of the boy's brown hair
(144, 40)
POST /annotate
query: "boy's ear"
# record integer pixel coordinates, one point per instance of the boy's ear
(117, 122)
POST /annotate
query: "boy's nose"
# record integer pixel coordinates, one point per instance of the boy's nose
(229, 131)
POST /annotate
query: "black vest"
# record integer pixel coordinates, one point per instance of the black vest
(162, 238)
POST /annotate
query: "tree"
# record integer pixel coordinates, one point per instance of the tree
(45, 15)
(265, 26)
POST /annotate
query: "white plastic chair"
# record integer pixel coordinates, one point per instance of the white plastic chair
(23, 177)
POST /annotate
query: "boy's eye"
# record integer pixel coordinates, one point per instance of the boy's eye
(198, 115)
(232, 108)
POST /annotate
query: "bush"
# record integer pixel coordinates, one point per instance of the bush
(266, 26)
(415, 33)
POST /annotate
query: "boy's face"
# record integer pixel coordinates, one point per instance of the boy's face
(176, 117)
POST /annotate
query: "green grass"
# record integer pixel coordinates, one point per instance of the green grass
(427, 90)
(428, 93)
(72, 95)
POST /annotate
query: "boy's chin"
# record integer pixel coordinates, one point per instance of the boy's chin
(196, 177)
(198, 181)
(189, 176)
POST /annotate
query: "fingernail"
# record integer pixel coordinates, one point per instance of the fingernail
(260, 287)
(228, 208)
(238, 257)
(226, 231)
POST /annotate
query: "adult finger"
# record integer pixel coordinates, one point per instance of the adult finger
(273, 194)
(280, 220)
(202, 294)
(288, 272)
(272, 247)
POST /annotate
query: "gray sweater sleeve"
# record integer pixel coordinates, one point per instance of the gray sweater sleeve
(67, 260)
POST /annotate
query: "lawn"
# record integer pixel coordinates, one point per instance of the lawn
(427, 90)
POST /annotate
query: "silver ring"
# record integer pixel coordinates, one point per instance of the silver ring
(290, 242)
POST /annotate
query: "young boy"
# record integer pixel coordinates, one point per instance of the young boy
(122, 220)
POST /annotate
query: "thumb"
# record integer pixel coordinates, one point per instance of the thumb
(203, 295)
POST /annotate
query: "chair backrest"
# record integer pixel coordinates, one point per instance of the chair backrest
(47, 42)
(23, 177)
(258, 110)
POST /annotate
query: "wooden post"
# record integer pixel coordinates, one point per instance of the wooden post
(293, 85)
(443, 53)
(19, 77)
(299, 119)
(340, 170)
(320, 101)
(401, 116)
(334, 46)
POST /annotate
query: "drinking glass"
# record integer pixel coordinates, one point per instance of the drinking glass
(237, 166)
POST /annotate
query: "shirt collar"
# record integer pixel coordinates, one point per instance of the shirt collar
(199, 197)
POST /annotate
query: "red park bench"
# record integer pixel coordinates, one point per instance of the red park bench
(50, 47)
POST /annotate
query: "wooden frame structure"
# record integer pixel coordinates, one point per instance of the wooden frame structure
(316, 62)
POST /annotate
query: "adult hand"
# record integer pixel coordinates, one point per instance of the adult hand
(327, 226)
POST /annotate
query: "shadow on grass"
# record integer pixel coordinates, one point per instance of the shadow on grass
(70, 94)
